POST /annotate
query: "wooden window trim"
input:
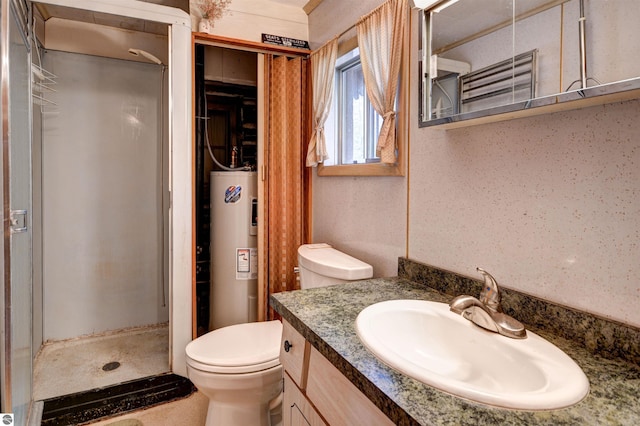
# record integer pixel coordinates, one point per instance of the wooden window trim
(402, 120)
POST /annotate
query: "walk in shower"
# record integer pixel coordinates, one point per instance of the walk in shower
(104, 203)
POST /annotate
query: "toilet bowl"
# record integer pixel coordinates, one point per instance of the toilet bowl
(237, 367)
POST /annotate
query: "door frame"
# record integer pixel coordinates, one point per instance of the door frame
(261, 49)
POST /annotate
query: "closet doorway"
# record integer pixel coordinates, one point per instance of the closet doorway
(251, 135)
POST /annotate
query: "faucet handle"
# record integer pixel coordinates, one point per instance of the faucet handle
(490, 294)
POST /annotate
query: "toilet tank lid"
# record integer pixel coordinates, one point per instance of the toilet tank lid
(325, 260)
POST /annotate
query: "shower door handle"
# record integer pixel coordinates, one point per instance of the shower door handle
(18, 221)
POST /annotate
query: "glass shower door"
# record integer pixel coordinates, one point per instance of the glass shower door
(16, 189)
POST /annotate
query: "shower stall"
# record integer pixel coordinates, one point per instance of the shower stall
(104, 203)
(106, 244)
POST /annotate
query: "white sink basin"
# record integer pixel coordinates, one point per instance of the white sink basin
(426, 341)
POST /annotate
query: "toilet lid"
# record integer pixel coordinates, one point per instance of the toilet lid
(240, 348)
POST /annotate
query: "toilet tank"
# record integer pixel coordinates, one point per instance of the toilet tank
(321, 265)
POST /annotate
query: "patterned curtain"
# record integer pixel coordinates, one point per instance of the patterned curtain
(287, 121)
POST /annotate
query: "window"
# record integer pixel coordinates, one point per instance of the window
(353, 125)
(358, 123)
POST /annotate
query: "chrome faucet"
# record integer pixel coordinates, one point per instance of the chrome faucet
(487, 311)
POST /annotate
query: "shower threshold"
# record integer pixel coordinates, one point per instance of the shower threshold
(83, 407)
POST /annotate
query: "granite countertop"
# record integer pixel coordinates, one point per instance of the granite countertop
(326, 318)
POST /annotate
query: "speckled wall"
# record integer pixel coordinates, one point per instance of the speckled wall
(363, 216)
(550, 205)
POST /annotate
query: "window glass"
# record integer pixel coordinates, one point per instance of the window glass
(358, 124)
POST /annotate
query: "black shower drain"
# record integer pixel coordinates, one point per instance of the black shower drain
(110, 366)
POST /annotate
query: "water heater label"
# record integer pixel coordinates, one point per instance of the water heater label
(246, 263)
(232, 194)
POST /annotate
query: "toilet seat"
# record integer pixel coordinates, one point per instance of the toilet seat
(237, 349)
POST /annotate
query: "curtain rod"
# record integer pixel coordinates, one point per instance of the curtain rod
(347, 30)
(364, 17)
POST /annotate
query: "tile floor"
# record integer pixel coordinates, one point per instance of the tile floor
(75, 365)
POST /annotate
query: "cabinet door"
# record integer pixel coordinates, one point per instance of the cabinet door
(294, 354)
(297, 410)
(337, 399)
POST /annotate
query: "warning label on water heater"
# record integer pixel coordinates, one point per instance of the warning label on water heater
(246, 263)
(232, 194)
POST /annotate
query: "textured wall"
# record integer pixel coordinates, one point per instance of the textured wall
(549, 205)
(102, 195)
(332, 17)
(362, 216)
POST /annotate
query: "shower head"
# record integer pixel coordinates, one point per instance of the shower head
(145, 54)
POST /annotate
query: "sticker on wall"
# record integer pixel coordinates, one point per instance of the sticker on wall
(246, 263)
(232, 194)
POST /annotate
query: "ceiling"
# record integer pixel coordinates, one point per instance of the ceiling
(297, 3)
(75, 14)
(48, 11)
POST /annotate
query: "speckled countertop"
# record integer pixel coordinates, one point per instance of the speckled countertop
(326, 318)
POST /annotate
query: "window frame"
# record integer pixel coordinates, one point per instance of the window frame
(402, 125)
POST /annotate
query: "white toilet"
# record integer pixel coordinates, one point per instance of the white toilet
(237, 367)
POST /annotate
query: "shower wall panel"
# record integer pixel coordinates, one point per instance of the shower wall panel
(102, 197)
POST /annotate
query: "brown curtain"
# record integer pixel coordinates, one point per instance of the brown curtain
(287, 116)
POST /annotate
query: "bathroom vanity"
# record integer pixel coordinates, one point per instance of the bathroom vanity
(330, 378)
(312, 383)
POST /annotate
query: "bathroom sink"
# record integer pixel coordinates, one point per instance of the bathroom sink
(426, 341)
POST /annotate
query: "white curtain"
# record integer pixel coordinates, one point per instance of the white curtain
(323, 65)
(380, 39)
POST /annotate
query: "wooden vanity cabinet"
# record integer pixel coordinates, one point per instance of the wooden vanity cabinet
(294, 354)
(316, 393)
